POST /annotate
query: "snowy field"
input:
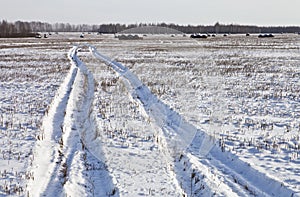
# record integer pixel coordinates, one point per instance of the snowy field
(163, 116)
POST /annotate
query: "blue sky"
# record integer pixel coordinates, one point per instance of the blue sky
(256, 12)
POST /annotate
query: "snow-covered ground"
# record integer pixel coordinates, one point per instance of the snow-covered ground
(162, 116)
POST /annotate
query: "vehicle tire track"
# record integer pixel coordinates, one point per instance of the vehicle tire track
(178, 135)
(48, 156)
(99, 181)
(63, 165)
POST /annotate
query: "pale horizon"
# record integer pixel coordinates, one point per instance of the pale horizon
(189, 12)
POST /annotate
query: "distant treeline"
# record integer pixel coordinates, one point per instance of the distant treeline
(214, 29)
(24, 29)
(17, 29)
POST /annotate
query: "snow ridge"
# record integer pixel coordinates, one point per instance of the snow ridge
(86, 125)
(195, 150)
(63, 164)
(47, 149)
(175, 128)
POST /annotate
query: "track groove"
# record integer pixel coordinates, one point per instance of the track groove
(198, 148)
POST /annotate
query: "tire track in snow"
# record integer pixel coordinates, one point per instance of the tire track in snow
(47, 155)
(239, 178)
(100, 180)
(164, 116)
(63, 166)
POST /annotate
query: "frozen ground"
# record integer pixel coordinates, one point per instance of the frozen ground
(222, 119)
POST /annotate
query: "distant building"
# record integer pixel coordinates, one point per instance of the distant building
(129, 37)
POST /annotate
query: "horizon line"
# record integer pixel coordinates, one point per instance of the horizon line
(156, 23)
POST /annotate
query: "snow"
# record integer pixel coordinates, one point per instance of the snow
(172, 125)
(64, 169)
(162, 116)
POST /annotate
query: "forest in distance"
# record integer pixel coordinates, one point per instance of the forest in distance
(28, 29)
